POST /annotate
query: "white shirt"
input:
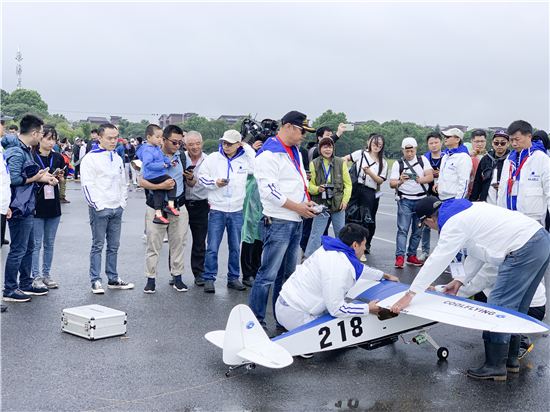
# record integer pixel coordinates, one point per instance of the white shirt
(410, 188)
(197, 192)
(363, 178)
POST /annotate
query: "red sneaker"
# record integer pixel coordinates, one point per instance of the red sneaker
(161, 220)
(171, 210)
(413, 260)
(399, 262)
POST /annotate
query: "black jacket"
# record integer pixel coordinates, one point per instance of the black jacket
(484, 175)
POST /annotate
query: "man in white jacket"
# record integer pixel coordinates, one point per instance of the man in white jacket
(320, 284)
(104, 186)
(282, 183)
(525, 182)
(224, 174)
(518, 245)
(456, 167)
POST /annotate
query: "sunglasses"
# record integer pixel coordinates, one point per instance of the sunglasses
(225, 143)
(180, 143)
(301, 128)
(501, 143)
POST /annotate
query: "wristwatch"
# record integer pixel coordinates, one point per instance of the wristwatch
(409, 293)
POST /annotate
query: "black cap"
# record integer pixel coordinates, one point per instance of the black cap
(427, 207)
(297, 119)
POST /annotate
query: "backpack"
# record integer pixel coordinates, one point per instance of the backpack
(401, 162)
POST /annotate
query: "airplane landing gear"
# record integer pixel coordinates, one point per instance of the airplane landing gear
(247, 365)
(442, 352)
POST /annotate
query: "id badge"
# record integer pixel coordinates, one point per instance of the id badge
(228, 191)
(457, 270)
(324, 195)
(514, 188)
(49, 192)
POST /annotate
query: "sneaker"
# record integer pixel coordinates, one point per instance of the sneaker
(171, 281)
(16, 296)
(161, 220)
(165, 240)
(171, 210)
(3, 308)
(77, 180)
(64, 201)
(97, 288)
(413, 260)
(367, 250)
(248, 281)
(119, 284)
(149, 287)
(49, 283)
(144, 237)
(399, 262)
(363, 258)
(199, 281)
(423, 256)
(209, 287)
(236, 284)
(36, 290)
(5, 242)
(38, 283)
(180, 286)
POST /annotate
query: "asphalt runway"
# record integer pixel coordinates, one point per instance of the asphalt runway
(166, 364)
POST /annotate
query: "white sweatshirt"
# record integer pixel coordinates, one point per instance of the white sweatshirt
(103, 179)
(5, 190)
(454, 176)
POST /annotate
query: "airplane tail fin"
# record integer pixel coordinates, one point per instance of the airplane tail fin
(245, 340)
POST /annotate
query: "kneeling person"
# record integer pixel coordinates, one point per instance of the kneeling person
(321, 283)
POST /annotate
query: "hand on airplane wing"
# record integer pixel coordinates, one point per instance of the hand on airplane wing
(387, 276)
(432, 288)
(452, 287)
(373, 307)
(401, 304)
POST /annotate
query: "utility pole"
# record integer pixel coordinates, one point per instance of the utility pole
(18, 69)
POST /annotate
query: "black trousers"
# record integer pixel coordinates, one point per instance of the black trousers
(158, 195)
(198, 223)
(77, 171)
(251, 258)
(3, 229)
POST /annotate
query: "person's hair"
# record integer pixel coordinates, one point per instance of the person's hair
(183, 130)
(519, 126)
(3, 122)
(30, 123)
(139, 139)
(48, 128)
(191, 134)
(326, 141)
(104, 126)
(377, 138)
(168, 130)
(151, 129)
(478, 132)
(14, 127)
(352, 232)
(321, 131)
(94, 131)
(64, 140)
(435, 135)
(68, 149)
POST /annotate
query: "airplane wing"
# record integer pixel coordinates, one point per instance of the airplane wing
(453, 310)
(268, 354)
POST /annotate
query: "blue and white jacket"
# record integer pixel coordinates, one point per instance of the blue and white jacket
(229, 198)
(454, 174)
(103, 179)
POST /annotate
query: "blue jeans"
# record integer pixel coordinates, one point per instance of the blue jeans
(281, 245)
(426, 236)
(405, 216)
(217, 222)
(45, 230)
(518, 278)
(318, 228)
(105, 224)
(19, 259)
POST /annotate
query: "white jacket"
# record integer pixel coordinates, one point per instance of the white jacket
(278, 180)
(321, 284)
(488, 233)
(454, 176)
(533, 197)
(485, 280)
(103, 179)
(5, 190)
(229, 198)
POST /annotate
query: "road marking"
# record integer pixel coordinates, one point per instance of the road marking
(383, 240)
(387, 214)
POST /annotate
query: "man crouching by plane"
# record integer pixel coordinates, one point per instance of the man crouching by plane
(517, 245)
(320, 284)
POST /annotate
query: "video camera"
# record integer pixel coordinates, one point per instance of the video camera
(252, 131)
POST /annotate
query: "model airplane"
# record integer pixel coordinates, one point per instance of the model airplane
(245, 343)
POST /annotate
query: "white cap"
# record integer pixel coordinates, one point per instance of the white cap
(232, 136)
(454, 132)
(409, 141)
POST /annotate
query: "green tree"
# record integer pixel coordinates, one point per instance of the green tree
(55, 119)
(210, 146)
(214, 129)
(21, 102)
(86, 130)
(63, 130)
(196, 123)
(122, 125)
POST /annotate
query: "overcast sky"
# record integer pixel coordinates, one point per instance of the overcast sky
(430, 63)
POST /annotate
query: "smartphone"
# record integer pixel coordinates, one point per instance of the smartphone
(190, 168)
(225, 180)
(412, 176)
(56, 171)
(349, 127)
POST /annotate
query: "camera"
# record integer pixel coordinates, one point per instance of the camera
(252, 131)
(330, 191)
(320, 209)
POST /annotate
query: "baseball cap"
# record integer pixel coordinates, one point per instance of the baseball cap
(4, 117)
(454, 132)
(427, 207)
(501, 133)
(78, 139)
(297, 119)
(409, 141)
(232, 136)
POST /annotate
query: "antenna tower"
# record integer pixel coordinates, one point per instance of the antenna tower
(18, 69)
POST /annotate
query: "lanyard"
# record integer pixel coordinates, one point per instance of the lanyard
(42, 163)
(327, 173)
(296, 165)
(513, 175)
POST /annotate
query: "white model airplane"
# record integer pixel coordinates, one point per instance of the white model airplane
(245, 343)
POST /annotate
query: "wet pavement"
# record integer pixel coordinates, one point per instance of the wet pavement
(166, 364)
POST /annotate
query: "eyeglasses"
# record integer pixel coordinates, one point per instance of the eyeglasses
(448, 137)
(40, 133)
(176, 142)
(225, 143)
(501, 143)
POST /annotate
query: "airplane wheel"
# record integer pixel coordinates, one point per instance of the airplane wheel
(227, 374)
(251, 366)
(442, 353)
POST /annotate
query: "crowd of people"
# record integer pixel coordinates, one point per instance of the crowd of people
(275, 198)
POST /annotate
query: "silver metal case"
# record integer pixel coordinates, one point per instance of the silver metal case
(93, 321)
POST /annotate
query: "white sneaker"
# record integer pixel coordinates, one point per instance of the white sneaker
(144, 237)
(363, 258)
(423, 256)
(38, 283)
(165, 240)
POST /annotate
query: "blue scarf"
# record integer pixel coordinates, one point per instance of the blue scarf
(450, 208)
(337, 245)
(459, 149)
(240, 152)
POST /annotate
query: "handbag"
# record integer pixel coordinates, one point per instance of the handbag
(354, 174)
